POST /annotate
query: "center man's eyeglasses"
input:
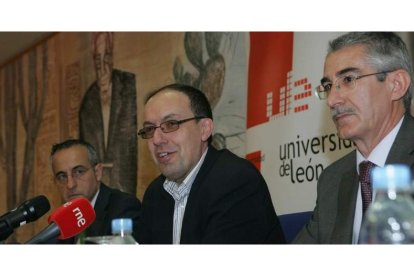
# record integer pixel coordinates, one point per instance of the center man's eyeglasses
(168, 126)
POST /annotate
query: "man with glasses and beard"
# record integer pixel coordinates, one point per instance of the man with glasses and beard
(203, 195)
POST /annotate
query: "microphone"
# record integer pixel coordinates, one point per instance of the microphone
(30, 210)
(67, 221)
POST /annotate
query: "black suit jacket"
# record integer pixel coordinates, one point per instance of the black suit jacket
(110, 204)
(229, 203)
(333, 216)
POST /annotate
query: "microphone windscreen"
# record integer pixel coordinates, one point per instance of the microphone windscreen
(36, 207)
(73, 217)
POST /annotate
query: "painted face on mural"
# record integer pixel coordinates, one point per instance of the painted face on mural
(103, 60)
(176, 153)
(366, 112)
(74, 175)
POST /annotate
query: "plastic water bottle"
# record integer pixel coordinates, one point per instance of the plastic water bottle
(390, 218)
(122, 231)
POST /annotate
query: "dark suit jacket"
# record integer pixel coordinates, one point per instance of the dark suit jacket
(229, 203)
(333, 216)
(110, 204)
(122, 133)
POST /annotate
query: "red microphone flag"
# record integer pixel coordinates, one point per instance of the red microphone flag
(73, 217)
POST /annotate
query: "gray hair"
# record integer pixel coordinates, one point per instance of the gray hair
(385, 52)
(92, 155)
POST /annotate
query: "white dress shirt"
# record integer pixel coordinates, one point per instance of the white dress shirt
(180, 192)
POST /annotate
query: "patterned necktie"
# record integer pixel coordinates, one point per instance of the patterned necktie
(365, 168)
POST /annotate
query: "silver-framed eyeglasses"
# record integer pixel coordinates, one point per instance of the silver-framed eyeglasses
(77, 173)
(344, 83)
(148, 131)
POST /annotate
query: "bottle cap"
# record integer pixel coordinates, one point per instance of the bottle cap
(397, 176)
(121, 225)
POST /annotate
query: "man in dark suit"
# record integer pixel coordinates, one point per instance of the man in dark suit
(77, 173)
(108, 117)
(367, 85)
(203, 196)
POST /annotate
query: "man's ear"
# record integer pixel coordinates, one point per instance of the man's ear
(207, 128)
(400, 81)
(98, 171)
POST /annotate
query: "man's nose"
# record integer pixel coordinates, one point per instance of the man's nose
(335, 96)
(158, 137)
(71, 182)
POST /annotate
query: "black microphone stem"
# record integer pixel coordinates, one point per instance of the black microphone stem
(52, 231)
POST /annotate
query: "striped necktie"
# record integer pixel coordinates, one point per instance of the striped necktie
(365, 168)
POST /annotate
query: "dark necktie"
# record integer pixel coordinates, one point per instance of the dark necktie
(365, 168)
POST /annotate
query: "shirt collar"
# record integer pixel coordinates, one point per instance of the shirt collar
(180, 190)
(380, 153)
(93, 201)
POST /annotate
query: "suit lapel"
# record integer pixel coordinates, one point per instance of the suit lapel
(209, 161)
(98, 226)
(194, 197)
(347, 195)
(403, 147)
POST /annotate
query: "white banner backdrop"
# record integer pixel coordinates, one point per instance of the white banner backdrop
(297, 138)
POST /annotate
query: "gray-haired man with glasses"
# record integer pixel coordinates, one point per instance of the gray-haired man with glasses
(203, 195)
(77, 173)
(367, 86)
